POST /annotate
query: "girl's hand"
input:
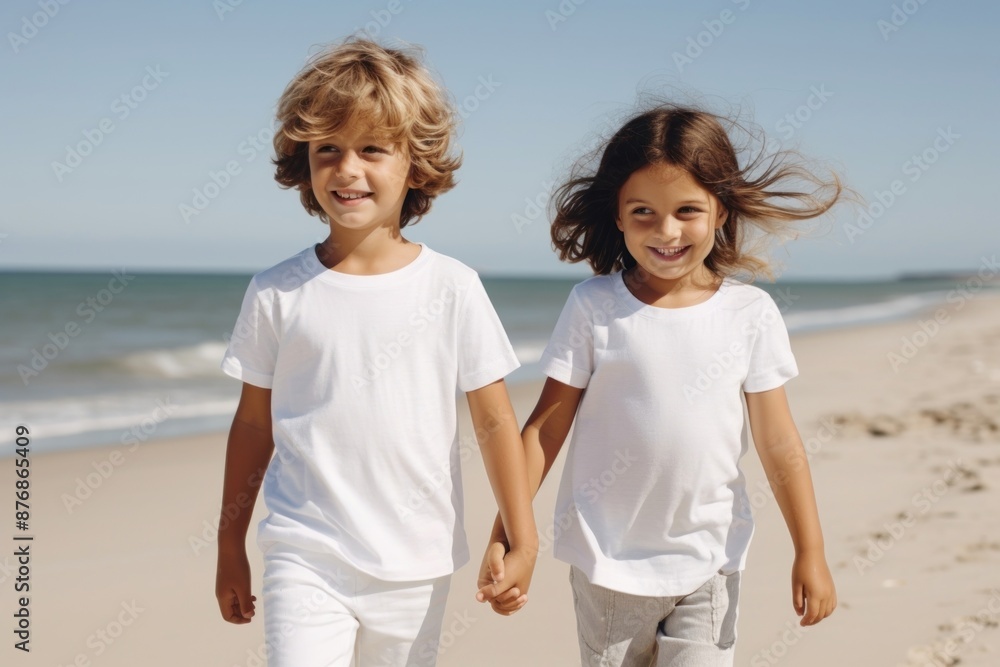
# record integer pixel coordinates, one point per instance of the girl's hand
(813, 593)
(504, 578)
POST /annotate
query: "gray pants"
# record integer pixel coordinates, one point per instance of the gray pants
(622, 630)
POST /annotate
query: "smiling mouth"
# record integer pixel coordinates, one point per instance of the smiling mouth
(349, 195)
(670, 253)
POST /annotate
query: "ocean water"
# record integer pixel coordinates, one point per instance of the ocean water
(91, 359)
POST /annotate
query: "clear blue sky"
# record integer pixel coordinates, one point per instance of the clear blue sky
(555, 86)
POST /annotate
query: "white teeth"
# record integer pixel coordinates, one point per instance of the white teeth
(350, 195)
(668, 252)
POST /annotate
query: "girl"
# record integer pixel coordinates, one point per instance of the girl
(652, 513)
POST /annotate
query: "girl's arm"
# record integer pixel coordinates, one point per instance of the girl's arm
(546, 429)
(787, 468)
(543, 436)
(248, 453)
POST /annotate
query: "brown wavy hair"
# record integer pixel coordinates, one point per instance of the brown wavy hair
(586, 205)
(359, 80)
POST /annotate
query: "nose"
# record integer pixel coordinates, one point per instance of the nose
(348, 166)
(669, 227)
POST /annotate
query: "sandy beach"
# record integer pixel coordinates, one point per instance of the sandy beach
(902, 421)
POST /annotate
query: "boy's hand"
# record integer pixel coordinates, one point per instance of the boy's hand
(813, 593)
(232, 585)
(504, 578)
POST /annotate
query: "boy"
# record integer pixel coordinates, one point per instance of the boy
(350, 353)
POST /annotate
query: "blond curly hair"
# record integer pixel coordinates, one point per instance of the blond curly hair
(359, 80)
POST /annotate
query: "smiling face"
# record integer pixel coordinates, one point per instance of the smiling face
(360, 180)
(669, 223)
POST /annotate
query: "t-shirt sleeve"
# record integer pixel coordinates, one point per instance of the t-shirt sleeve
(485, 354)
(569, 356)
(772, 363)
(253, 346)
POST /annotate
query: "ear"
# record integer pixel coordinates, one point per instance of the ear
(723, 216)
(618, 223)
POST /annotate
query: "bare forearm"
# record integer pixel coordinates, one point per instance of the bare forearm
(543, 436)
(787, 470)
(503, 456)
(504, 459)
(248, 453)
(539, 453)
(786, 465)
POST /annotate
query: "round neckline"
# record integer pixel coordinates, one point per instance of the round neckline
(637, 305)
(367, 280)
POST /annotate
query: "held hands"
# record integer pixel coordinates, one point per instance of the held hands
(813, 594)
(232, 586)
(504, 577)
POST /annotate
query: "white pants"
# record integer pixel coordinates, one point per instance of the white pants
(321, 612)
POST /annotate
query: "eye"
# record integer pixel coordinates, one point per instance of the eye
(374, 149)
(326, 149)
(689, 209)
(642, 210)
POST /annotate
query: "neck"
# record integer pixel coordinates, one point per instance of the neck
(366, 252)
(686, 290)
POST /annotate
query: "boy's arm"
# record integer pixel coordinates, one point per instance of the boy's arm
(248, 453)
(543, 436)
(787, 468)
(503, 456)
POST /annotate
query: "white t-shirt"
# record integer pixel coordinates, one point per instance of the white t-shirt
(652, 499)
(363, 372)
